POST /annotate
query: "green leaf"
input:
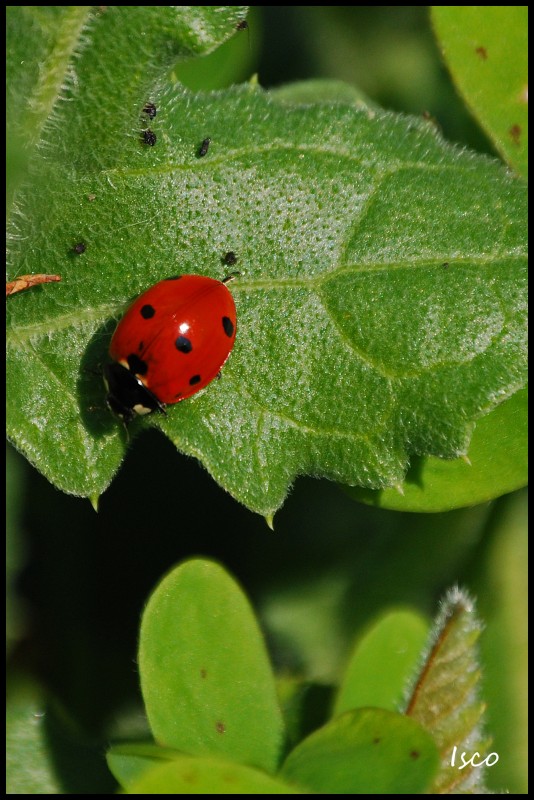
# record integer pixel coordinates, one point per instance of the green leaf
(305, 706)
(369, 751)
(205, 675)
(130, 761)
(15, 547)
(187, 775)
(321, 90)
(497, 463)
(383, 661)
(47, 753)
(381, 302)
(486, 50)
(445, 696)
(29, 767)
(232, 62)
(51, 64)
(502, 588)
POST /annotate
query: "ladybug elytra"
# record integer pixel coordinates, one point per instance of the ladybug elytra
(170, 344)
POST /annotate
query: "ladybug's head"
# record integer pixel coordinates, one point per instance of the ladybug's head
(128, 397)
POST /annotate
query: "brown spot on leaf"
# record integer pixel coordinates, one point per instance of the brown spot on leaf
(377, 739)
(203, 673)
(220, 727)
(515, 134)
(415, 754)
(482, 52)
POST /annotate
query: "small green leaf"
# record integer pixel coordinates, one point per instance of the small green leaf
(47, 753)
(205, 675)
(325, 91)
(29, 766)
(369, 751)
(497, 463)
(503, 604)
(187, 775)
(383, 661)
(128, 762)
(486, 50)
(445, 697)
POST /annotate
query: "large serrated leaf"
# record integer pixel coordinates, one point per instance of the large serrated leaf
(381, 303)
(497, 463)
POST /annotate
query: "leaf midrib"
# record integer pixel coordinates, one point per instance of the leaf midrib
(99, 313)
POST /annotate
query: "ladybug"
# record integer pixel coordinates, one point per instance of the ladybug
(171, 342)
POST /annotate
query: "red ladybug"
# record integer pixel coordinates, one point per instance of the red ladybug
(171, 342)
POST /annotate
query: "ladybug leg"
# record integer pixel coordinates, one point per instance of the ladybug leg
(219, 375)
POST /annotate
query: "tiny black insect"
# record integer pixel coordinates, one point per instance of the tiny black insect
(79, 248)
(149, 137)
(230, 259)
(242, 25)
(204, 147)
(150, 109)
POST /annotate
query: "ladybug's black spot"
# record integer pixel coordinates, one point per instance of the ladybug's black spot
(149, 137)
(148, 311)
(228, 326)
(174, 278)
(194, 380)
(150, 109)
(183, 344)
(137, 365)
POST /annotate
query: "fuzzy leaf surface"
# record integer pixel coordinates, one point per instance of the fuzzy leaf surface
(381, 307)
(445, 697)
